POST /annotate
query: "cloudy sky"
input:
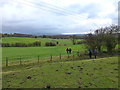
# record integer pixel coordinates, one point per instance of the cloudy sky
(57, 16)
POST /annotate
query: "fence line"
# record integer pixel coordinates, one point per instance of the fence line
(21, 60)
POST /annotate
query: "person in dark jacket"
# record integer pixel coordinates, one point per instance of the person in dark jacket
(90, 53)
(70, 50)
(67, 50)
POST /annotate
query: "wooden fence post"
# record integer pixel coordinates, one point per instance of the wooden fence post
(73, 56)
(60, 55)
(51, 57)
(20, 61)
(6, 61)
(68, 55)
(38, 59)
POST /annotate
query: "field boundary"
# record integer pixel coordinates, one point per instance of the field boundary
(36, 59)
(9, 61)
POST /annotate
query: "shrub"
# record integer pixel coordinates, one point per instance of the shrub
(5, 44)
(80, 42)
(37, 43)
(50, 44)
(30, 45)
(12, 45)
(20, 45)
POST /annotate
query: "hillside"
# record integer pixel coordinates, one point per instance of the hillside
(92, 73)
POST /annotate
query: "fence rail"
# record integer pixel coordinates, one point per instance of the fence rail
(9, 61)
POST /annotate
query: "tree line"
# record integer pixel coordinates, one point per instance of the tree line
(34, 44)
(40, 36)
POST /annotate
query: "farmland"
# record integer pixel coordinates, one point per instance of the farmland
(59, 44)
(92, 73)
(30, 40)
(79, 72)
(42, 50)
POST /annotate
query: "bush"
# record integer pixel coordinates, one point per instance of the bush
(80, 42)
(37, 43)
(20, 45)
(5, 44)
(30, 45)
(50, 44)
(104, 51)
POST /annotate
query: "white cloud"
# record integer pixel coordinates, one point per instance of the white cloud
(62, 16)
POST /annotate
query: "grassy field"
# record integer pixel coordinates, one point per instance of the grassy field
(31, 40)
(43, 51)
(92, 73)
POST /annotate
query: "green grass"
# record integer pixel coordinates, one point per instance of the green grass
(35, 51)
(31, 40)
(42, 51)
(92, 73)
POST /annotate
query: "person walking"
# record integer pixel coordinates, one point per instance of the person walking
(67, 50)
(90, 53)
(95, 53)
(70, 50)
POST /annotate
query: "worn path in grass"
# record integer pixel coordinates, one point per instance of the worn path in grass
(91, 73)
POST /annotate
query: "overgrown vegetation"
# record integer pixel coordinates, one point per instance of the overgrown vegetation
(103, 37)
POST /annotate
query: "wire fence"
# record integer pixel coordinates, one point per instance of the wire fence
(21, 60)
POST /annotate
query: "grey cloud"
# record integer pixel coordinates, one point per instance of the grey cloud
(31, 29)
(17, 21)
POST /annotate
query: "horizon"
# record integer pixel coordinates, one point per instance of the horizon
(49, 34)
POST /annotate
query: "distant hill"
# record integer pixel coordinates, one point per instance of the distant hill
(53, 36)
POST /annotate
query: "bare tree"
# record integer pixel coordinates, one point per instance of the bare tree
(73, 38)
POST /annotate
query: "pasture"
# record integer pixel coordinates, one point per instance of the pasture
(42, 51)
(31, 53)
(91, 73)
(64, 73)
(31, 40)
